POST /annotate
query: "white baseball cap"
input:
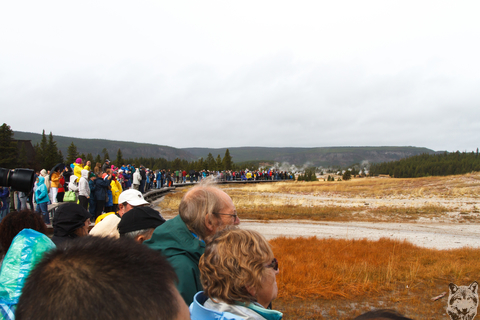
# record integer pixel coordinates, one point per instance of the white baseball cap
(132, 197)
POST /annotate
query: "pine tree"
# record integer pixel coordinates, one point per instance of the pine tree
(105, 155)
(227, 160)
(50, 156)
(60, 158)
(347, 175)
(22, 157)
(8, 148)
(200, 164)
(98, 159)
(72, 153)
(119, 159)
(218, 163)
(41, 151)
(210, 162)
(176, 164)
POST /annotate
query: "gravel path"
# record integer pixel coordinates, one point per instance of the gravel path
(431, 235)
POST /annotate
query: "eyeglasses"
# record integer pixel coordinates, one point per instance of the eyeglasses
(227, 214)
(273, 265)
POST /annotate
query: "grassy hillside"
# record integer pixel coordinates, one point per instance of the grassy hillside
(329, 156)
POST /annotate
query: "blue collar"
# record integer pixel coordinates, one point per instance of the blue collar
(196, 237)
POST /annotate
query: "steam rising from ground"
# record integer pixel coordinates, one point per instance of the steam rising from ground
(285, 166)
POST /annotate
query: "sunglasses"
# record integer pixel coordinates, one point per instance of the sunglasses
(273, 265)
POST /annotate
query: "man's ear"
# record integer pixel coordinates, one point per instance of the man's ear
(140, 238)
(209, 224)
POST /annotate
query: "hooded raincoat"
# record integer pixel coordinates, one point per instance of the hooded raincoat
(83, 186)
(41, 193)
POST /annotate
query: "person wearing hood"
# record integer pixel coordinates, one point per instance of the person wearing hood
(84, 189)
(137, 178)
(41, 198)
(70, 221)
(77, 168)
(73, 186)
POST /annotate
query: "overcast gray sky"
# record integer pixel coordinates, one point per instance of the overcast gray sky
(244, 73)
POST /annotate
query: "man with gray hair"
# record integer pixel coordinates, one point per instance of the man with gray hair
(204, 210)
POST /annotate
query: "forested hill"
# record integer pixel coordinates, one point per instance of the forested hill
(328, 156)
(425, 165)
(95, 146)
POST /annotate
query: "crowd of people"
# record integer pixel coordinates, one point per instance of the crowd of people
(97, 189)
(134, 263)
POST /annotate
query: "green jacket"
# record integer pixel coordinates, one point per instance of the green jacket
(183, 251)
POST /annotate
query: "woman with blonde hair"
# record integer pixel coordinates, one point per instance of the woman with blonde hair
(238, 274)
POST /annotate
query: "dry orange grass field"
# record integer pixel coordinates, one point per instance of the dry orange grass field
(340, 279)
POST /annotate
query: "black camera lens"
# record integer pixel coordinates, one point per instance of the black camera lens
(19, 179)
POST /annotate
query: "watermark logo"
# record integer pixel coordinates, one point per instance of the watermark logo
(462, 301)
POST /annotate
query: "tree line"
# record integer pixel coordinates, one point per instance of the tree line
(425, 165)
(47, 155)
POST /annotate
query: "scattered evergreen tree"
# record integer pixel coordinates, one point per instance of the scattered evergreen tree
(308, 175)
(98, 159)
(227, 160)
(119, 160)
(72, 153)
(105, 155)
(8, 148)
(41, 152)
(218, 163)
(50, 155)
(60, 157)
(347, 175)
(22, 157)
(177, 164)
(200, 165)
(210, 162)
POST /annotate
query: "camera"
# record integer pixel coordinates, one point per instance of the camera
(19, 179)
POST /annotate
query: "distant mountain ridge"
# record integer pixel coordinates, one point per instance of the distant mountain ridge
(95, 146)
(321, 156)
